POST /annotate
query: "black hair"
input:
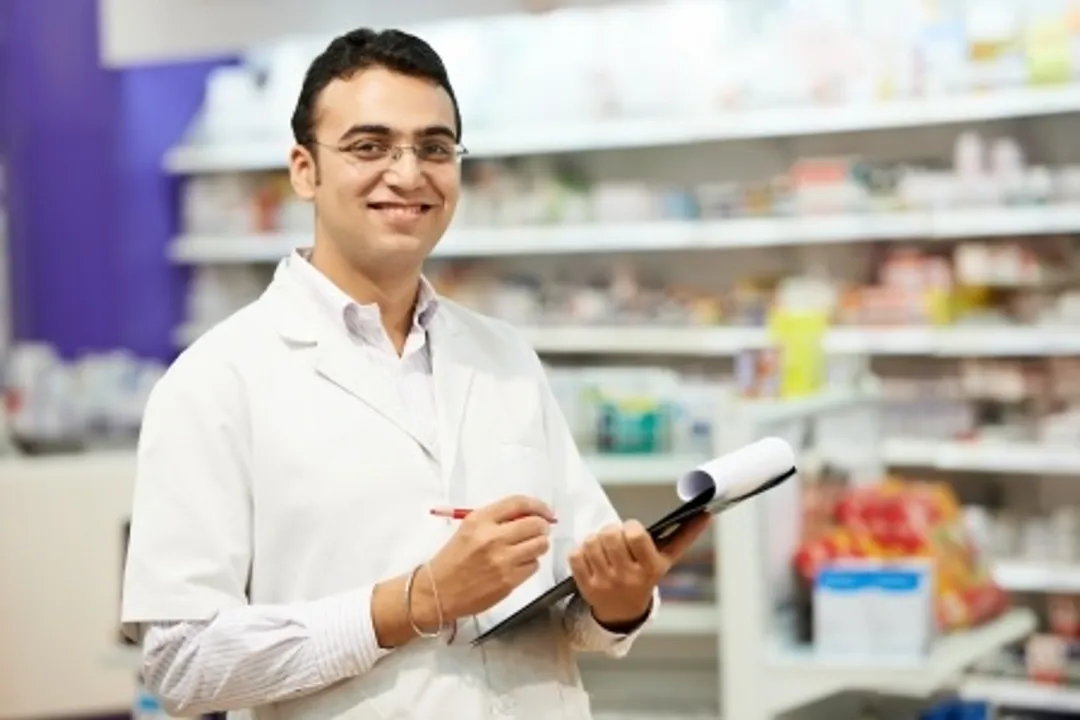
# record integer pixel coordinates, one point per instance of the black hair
(360, 49)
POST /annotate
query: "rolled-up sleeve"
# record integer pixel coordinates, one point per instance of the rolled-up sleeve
(588, 635)
(256, 655)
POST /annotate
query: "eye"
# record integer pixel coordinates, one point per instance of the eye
(369, 149)
(437, 151)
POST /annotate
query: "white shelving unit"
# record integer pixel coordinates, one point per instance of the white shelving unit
(271, 153)
(951, 342)
(1021, 694)
(725, 342)
(1037, 577)
(985, 457)
(763, 675)
(669, 236)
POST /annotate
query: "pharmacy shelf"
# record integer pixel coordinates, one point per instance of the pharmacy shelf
(1021, 694)
(643, 340)
(804, 676)
(780, 677)
(984, 456)
(669, 235)
(599, 237)
(614, 134)
(831, 401)
(642, 470)
(719, 341)
(692, 619)
(1037, 577)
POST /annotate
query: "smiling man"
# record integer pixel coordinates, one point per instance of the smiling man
(284, 557)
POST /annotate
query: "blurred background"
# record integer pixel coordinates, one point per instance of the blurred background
(851, 223)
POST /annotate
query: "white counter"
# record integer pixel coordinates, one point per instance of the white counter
(61, 544)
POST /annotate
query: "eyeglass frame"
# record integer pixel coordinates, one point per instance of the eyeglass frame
(395, 152)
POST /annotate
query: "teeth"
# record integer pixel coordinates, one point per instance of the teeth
(401, 210)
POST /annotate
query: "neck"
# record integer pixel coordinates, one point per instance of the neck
(394, 293)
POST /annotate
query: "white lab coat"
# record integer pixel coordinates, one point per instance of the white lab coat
(291, 474)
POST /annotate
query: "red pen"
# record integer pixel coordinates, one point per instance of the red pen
(462, 513)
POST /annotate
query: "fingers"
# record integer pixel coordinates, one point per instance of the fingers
(608, 553)
(579, 566)
(523, 529)
(615, 550)
(643, 549)
(529, 551)
(679, 543)
(523, 572)
(514, 507)
(621, 551)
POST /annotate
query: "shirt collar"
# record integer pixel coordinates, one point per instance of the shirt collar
(338, 306)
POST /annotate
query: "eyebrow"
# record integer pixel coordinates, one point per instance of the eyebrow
(386, 131)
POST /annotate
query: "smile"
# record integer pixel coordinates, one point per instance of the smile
(401, 210)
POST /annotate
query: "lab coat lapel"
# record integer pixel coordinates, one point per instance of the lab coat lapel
(453, 367)
(333, 356)
(341, 363)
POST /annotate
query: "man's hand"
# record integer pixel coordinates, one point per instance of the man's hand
(618, 568)
(496, 548)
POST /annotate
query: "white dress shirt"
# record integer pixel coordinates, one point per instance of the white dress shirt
(260, 655)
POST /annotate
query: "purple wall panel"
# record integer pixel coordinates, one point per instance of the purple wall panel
(59, 142)
(157, 103)
(91, 213)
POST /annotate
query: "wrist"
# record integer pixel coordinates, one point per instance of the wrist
(424, 607)
(622, 621)
(438, 593)
(393, 617)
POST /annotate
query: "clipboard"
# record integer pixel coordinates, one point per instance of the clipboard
(709, 500)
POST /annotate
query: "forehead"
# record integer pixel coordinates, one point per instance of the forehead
(377, 96)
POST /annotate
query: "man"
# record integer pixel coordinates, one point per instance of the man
(284, 556)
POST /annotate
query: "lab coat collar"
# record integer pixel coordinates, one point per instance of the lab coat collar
(302, 326)
(337, 304)
(304, 321)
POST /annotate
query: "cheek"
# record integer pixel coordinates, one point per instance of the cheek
(351, 192)
(449, 192)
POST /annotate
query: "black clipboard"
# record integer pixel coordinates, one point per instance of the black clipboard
(661, 531)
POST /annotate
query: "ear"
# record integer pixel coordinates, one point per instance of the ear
(303, 172)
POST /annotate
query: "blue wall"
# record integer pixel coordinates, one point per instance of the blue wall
(91, 213)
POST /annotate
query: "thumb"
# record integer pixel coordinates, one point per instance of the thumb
(677, 545)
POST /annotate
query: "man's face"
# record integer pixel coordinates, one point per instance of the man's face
(381, 204)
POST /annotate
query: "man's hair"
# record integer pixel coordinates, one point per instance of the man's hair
(358, 50)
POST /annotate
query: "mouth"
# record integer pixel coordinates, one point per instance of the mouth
(402, 211)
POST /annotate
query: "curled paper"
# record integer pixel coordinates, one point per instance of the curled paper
(739, 474)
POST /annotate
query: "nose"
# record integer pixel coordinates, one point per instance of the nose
(404, 170)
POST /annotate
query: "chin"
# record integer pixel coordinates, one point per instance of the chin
(395, 247)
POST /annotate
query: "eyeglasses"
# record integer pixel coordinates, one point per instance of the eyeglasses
(430, 152)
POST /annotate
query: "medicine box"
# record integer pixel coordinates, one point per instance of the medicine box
(874, 608)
